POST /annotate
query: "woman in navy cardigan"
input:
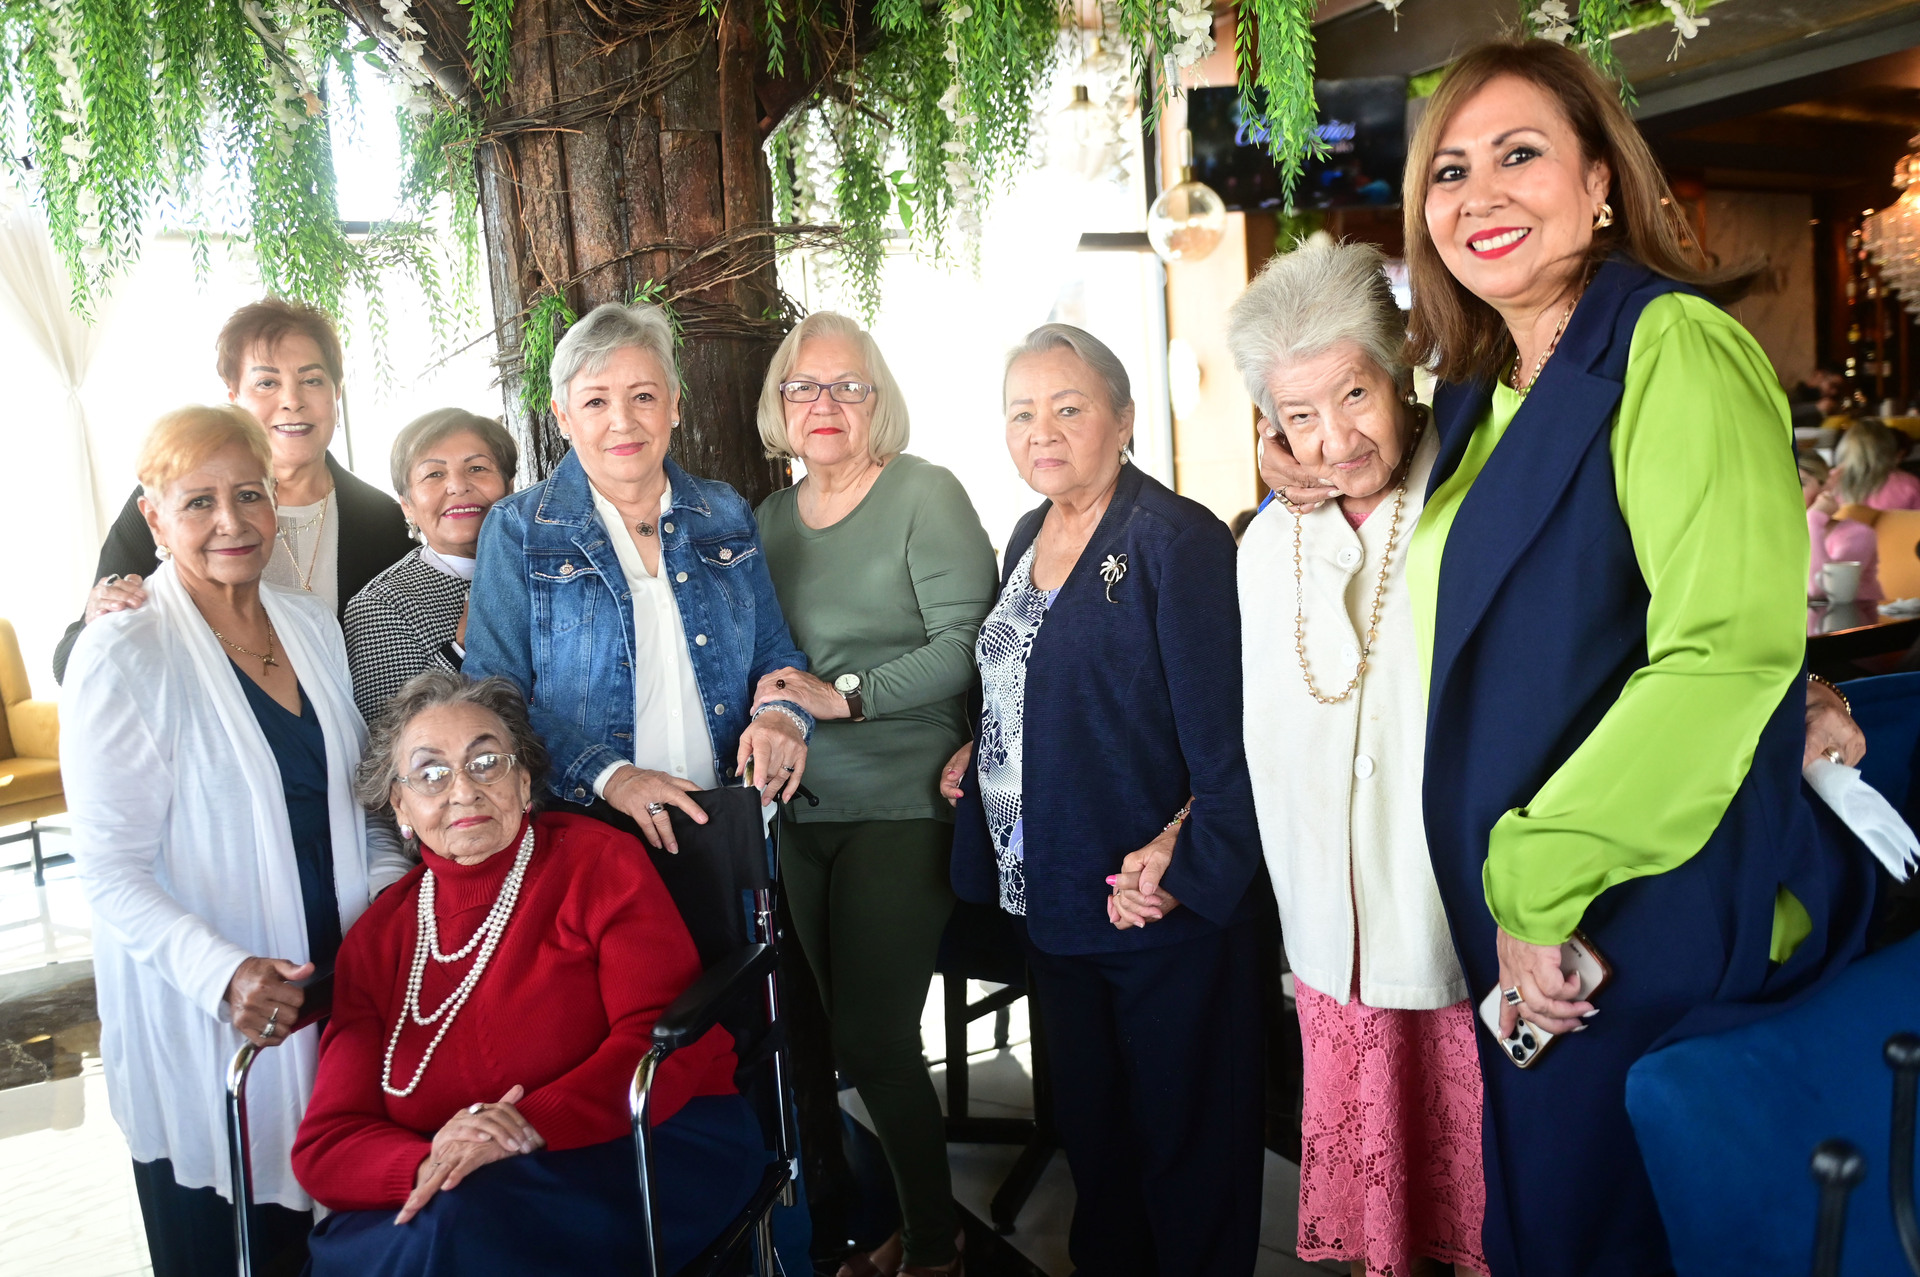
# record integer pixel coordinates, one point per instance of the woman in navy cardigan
(1107, 806)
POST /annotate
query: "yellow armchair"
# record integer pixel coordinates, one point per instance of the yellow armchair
(30, 788)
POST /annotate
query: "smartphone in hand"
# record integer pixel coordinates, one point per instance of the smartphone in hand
(1528, 1042)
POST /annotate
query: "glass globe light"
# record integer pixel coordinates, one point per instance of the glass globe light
(1189, 220)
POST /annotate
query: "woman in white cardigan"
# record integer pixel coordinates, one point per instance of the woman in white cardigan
(1390, 1168)
(210, 741)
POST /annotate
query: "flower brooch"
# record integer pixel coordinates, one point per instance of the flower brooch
(1113, 571)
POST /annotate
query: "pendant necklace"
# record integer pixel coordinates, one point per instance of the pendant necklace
(266, 659)
(319, 523)
(644, 528)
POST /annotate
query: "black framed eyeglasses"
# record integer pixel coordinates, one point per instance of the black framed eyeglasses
(840, 391)
(433, 779)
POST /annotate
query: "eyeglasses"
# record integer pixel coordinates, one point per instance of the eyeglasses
(434, 778)
(841, 391)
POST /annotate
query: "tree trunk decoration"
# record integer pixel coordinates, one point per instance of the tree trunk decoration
(622, 160)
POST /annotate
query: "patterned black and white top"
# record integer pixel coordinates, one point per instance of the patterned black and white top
(1006, 641)
(401, 624)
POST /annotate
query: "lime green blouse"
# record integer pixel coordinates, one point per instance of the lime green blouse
(1704, 472)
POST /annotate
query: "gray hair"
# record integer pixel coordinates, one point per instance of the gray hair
(1307, 301)
(1093, 352)
(1865, 457)
(425, 431)
(590, 343)
(886, 437)
(379, 768)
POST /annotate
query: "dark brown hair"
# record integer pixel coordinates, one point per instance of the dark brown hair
(1460, 336)
(265, 322)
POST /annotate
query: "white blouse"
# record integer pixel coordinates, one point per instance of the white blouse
(307, 548)
(669, 719)
(184, 850)
(1337, 787)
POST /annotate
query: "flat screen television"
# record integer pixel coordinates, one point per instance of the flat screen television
(1363, 121)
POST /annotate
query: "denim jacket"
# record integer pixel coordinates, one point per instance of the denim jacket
(550, 611)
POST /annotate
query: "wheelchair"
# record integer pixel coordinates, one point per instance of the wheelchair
(722, 884)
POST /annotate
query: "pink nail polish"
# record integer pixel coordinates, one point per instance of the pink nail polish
(1113, 879)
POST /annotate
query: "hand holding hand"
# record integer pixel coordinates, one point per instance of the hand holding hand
(1137, 897)
(116, 593)
(633, 790)
(261, 1002)
(955, 772)
(814, 695)
(776, 749)
(1829, 726)
(1547, 997)
(1298, 486)
(472, 1138)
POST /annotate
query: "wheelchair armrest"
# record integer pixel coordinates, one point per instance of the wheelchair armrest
(719, 989)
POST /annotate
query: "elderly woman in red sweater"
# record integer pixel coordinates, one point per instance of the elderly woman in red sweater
(489, 1011)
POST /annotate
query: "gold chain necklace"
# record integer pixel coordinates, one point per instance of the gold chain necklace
(1379, 589)
(320, 523)
(1553, 344)
(266, 661)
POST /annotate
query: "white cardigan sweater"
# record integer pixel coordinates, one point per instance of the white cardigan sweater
(183, 845)
(1337, 787)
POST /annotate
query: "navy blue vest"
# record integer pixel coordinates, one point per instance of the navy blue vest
(1542, 617)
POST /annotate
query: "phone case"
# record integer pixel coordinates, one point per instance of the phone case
(1529, 1042)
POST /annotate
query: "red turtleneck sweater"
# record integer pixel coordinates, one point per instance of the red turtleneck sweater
(594, 953)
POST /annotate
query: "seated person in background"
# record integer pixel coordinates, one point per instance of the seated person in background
(489, 1012)
(1866, 468)
(449, 467)
(1835, 539)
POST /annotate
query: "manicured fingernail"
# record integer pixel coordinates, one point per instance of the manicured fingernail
(1581, 1028)
(1588, 1015)
(1112, 878)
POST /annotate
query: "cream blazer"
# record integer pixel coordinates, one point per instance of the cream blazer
(183, 847)
(1337, 787)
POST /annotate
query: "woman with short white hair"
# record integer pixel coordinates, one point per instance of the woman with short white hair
(884, 573)
(211, 740)
(1390, 1166)
(629, 600)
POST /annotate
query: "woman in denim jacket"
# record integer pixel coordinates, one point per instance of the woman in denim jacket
(623, 564)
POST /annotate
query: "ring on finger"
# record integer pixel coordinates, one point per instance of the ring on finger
(1511, 996)
(270, 1030)
(112, 578)
(1833, 755)
(654, 809)
(475, 1107)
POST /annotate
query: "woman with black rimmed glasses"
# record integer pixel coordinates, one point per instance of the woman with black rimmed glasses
(884, 575)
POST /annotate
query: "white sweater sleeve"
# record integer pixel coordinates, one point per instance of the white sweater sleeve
(119, 782)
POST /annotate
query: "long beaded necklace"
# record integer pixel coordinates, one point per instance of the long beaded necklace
(427, 943)
(1379, 588)
(318, 522)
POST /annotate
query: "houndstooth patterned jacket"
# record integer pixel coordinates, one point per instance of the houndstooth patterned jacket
(401, 624)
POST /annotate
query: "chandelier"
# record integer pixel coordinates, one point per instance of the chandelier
(1892, 235)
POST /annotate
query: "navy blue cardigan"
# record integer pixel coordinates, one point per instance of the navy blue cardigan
(1132, 706)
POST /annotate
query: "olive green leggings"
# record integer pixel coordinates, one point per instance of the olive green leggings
(870, 899)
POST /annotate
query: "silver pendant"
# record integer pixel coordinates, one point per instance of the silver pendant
(1113, 571)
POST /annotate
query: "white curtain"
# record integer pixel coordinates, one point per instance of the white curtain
(34, 294)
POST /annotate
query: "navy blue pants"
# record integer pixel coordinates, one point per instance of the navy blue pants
(569, 1214)
(1155, 1062)
(190, 1230)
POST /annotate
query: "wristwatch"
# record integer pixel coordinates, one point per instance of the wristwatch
(848, 685)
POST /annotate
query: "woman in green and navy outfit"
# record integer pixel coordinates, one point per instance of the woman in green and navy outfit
(1609, 577)
(884, 575)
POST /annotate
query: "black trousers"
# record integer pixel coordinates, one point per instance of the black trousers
(1155, 1060)
(190, 1230)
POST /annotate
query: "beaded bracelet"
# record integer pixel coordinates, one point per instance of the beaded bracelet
(1829, 685)
(1179, 818)
(782, 709)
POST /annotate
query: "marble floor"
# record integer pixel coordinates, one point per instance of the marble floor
(67, 1185)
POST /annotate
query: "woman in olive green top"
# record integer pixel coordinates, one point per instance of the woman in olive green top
(884, 574)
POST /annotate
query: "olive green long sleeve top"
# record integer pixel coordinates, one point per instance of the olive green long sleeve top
(894, 592)
(1704, 471)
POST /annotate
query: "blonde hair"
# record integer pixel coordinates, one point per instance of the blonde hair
(1865, 458)
(886, 437)
(1458, 335)
(181, 442)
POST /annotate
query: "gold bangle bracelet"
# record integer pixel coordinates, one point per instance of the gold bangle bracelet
(1829, 685)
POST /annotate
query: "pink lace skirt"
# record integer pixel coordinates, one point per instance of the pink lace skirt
(1390, 1166)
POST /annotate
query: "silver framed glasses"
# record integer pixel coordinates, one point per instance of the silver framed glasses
(434, 779)
(839, 391)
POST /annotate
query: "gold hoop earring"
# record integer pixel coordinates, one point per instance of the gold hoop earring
(1603, 216)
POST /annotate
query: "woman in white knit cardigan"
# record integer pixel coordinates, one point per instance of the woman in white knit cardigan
(1390, 1168)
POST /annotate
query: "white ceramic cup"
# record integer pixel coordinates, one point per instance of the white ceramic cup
(1841, 579)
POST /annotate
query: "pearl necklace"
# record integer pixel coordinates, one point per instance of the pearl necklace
(427, 943)
(1379, 588)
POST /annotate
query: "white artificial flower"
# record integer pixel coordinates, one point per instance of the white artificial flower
(1551, 21)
